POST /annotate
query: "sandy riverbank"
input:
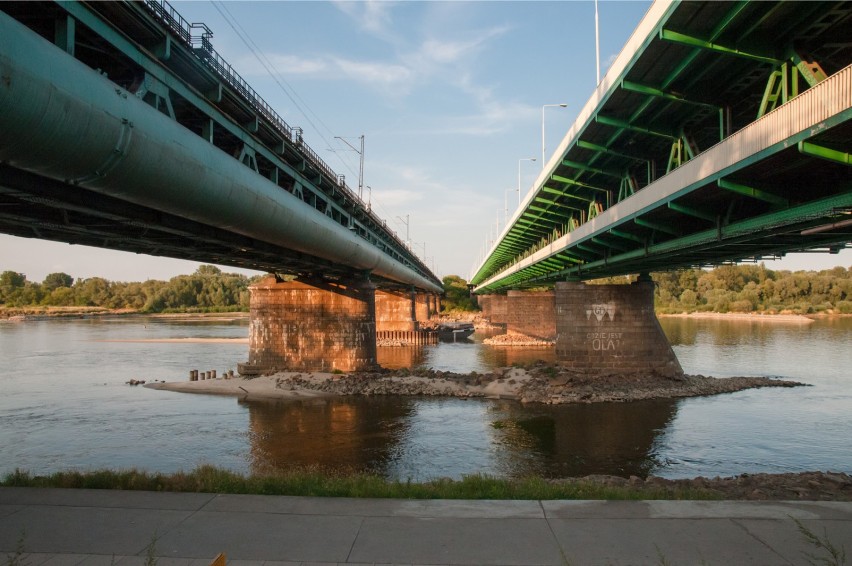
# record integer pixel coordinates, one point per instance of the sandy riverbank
(539, 383)
(744, 316)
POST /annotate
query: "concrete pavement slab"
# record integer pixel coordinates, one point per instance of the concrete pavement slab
(470, 509)
(455, 541)
(60, 529)
(9, 509)
(262, 536)
(338, 506)
(784, 537)
(103, 498)
(659, 541)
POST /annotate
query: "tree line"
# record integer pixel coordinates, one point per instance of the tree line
(729, 288)
(206, 290)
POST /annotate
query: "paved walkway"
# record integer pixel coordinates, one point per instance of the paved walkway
(65, 527)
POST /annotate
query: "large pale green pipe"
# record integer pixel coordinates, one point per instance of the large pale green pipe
(61, 119)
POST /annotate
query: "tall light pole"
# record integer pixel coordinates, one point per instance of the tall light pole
(543, 154)
(597, 47)
(519, 176)
(506, 204)
(361, 164)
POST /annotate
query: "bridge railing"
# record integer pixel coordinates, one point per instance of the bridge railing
(203, 49)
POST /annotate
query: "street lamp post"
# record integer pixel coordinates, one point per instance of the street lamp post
(519, 176)
(543, 155)
(361, 164)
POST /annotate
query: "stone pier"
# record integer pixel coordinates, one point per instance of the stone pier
(316, 326)
(395, 311)
(531, 313)
(612, 328)
(494, 307)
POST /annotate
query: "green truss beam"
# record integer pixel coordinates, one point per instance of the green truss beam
(574, 182)
(683, 39)
(662, 93)
(752, 192)
(812, 149)
(627, 236)
(657, 226)
(625, 125)
(690, 211)
(589, 169)
(603, 149)
(568, 195)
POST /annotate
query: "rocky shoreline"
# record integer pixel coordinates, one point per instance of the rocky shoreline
(537, 383)
(801, 486)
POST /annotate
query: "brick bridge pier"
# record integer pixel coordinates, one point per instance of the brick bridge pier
(317, 325)
(605, 328)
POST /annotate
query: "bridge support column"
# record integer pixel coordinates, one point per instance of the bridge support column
(531, 313)
(395, 311)
(612, 328)
(499, 304)
(421, 306)
(484, 302)
(320, 326)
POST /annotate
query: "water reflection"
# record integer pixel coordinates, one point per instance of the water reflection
(421, 439)
(337, 433)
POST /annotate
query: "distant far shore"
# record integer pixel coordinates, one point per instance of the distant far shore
(23, 314)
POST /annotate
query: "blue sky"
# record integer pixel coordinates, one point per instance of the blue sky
(448, 96)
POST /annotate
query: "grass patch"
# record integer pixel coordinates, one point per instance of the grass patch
(316, 482)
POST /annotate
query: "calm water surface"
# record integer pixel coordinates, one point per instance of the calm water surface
(64, 404)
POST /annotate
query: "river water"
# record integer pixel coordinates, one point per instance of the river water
(64, 404)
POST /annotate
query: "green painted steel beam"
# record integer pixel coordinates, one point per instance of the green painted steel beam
(751, 192)
(550, 212)
(566, 194)
(588, 169)
(576, 183)
(683, 39)
(691, 211)
(812, 149)
(625, 125)
(657, 226)
(559, 204)
(611, 245)
(662, 93)
(627, 236)
(603, 149)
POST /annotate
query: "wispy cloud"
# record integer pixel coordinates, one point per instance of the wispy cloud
(372, 16)
(378, 74)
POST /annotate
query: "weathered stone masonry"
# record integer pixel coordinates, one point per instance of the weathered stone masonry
(611, 328)
(531, 313)
(317, 327)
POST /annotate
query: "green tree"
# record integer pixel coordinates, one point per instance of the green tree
(457, 294)
(56, 280)
(10, 281)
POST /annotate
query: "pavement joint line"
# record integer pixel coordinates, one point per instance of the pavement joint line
(562, 552)
(738, 523)
(355, 539)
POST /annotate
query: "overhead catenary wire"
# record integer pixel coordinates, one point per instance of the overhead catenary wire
(298, 102)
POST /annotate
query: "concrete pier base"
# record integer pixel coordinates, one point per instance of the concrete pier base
(531, 313)
(320, 326)
(611, 328)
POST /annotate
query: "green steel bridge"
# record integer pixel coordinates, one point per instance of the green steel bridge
(121, 127)
(722, 132)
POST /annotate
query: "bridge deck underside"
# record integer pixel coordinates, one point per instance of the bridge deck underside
(32, 206)
(699, 76)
